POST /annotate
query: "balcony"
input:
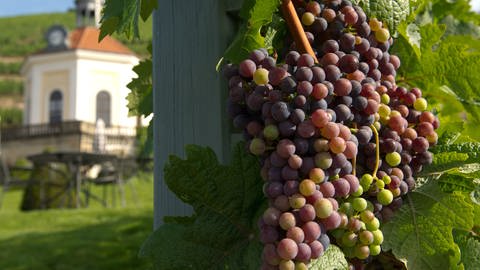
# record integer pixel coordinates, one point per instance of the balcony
(20, 141)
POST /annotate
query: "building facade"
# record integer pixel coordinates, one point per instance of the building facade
(83, 81)
(75, 93)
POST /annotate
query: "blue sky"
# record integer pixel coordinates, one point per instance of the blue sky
(21, 7)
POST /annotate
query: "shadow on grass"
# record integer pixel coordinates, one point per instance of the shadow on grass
(112, 244)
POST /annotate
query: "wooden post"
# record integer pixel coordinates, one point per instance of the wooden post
(189, 37)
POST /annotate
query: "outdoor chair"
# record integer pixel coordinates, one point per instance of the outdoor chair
(108, 177)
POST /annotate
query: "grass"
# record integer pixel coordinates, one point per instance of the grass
(10, 116)
(23, 35)
(90, 238)
(10, 68)
(8, 87)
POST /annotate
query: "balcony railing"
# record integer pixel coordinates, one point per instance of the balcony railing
(64, 128)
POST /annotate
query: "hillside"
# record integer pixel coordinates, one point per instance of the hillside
(23, 35)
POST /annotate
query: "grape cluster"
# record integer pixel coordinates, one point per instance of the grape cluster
(340, 142)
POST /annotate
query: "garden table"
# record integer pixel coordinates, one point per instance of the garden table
(74, 162)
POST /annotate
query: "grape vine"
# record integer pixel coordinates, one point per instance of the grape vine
(343, 142)
(297, 115)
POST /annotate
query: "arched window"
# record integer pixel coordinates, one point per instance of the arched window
(104, 107)
(55, 107)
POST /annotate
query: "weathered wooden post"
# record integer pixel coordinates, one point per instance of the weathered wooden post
(189, 38)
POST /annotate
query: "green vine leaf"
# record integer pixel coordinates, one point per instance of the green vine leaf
(450, 133)
(332, 259)
(451, 64)
(472, 149)
(391, 12)
(476, 221)
(421, 232)
(226, 200)
(121, 16)
(140, 98)
(456, 181)
(256, 14)
(147, 8)
(444, 161)
(469, 248)
(410, 33)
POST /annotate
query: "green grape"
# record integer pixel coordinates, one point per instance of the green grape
(366, 181)
(366, 237)
(257, 146)
(386, 179)
(271, 132)
(382, 35)
(420, 104)
(286, 265)
(370, 206)
(372, 225)
(393, 159)
(385, 197)
(385, 98)
(362, 252)
(300, 266)
(359, 204)
(384, 110)
(395, 113)
(346, 208)
(349, 239)
(297, 201)
(380, 184)
(367, 216)
(260, 76)
(377, 237)
(308, 18)
(359, 192)
(375, 250)
(362, 225)
(323, 208)
(323, 160)
(317, 175)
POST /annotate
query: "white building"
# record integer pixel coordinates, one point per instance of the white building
(77, 78)
(71, 88)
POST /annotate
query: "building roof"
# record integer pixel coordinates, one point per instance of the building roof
(86, 38)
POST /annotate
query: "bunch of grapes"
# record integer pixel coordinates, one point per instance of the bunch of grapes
(339, 141)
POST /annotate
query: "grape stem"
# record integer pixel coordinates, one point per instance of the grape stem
(377, 151)
(296, 29)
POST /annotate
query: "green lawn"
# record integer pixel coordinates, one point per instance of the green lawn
(73, 239)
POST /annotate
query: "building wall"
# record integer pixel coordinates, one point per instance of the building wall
(105, 72)
(44, 74)
(53, 81)
(80, 75)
